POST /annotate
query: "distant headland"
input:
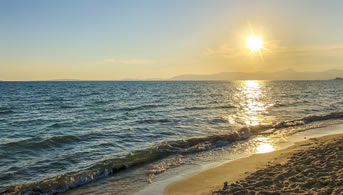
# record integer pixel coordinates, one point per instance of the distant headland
(288, 74)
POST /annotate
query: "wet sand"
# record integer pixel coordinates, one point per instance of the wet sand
(312, 166)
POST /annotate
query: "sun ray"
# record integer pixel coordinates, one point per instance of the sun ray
(254, 43)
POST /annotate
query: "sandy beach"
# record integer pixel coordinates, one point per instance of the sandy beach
(311, 167)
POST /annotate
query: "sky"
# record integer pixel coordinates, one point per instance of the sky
(135, 39)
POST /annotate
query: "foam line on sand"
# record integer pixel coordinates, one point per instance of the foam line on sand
(311, 166)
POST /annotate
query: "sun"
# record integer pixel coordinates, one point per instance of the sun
(254, 43)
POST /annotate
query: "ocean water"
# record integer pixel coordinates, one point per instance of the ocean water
(57, 136)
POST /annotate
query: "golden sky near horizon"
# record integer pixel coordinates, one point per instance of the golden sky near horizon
(102, 40)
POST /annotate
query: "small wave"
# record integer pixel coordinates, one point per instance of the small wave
(309, 119)
(107, 119)
(32, 121)
(38, 143)
(209, 107)
(102, 102)
(54, 99)
(196, 108)
(60, 124)
(142, 107)
(6, 110)
(278, 105)
(67, 106)
(81, 95)
(152, 121)
(225, 107)
(218, 120)
(159, 151)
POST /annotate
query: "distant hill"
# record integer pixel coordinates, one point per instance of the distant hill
(65, 80)
(281, 75)
(149, 79)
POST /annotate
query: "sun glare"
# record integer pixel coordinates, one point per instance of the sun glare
(254, 43)
(264, 145)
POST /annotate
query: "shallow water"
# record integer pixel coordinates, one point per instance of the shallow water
(77, 132)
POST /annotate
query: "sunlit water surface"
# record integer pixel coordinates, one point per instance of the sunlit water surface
(78, 132)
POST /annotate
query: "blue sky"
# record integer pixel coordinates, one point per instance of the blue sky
(108, 40)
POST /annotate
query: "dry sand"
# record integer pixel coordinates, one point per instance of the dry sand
(314, 166)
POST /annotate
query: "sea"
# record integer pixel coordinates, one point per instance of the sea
(120, 137)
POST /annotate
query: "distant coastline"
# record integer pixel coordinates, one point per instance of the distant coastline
(288, 74)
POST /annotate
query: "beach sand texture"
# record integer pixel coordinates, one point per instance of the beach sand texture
(314, 166)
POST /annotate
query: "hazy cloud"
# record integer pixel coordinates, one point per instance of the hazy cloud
(224, 51)
(307, 51)
(275, 50)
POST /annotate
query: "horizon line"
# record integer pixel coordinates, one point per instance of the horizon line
(186, 74)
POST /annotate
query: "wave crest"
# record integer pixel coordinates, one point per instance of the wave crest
(159, 151)
(37, 142)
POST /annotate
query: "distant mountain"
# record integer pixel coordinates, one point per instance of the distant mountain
(65, 80)
(149, 79)
(288, 74)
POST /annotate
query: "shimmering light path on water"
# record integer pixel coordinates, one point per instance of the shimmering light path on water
(53, 128)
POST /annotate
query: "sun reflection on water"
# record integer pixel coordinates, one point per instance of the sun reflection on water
(253, 103)
(254, 100)
(264, 145)
(252, 84)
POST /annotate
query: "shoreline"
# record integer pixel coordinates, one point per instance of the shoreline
(212, 180)
(160, 185)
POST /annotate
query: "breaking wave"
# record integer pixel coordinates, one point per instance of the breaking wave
(159, 151)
